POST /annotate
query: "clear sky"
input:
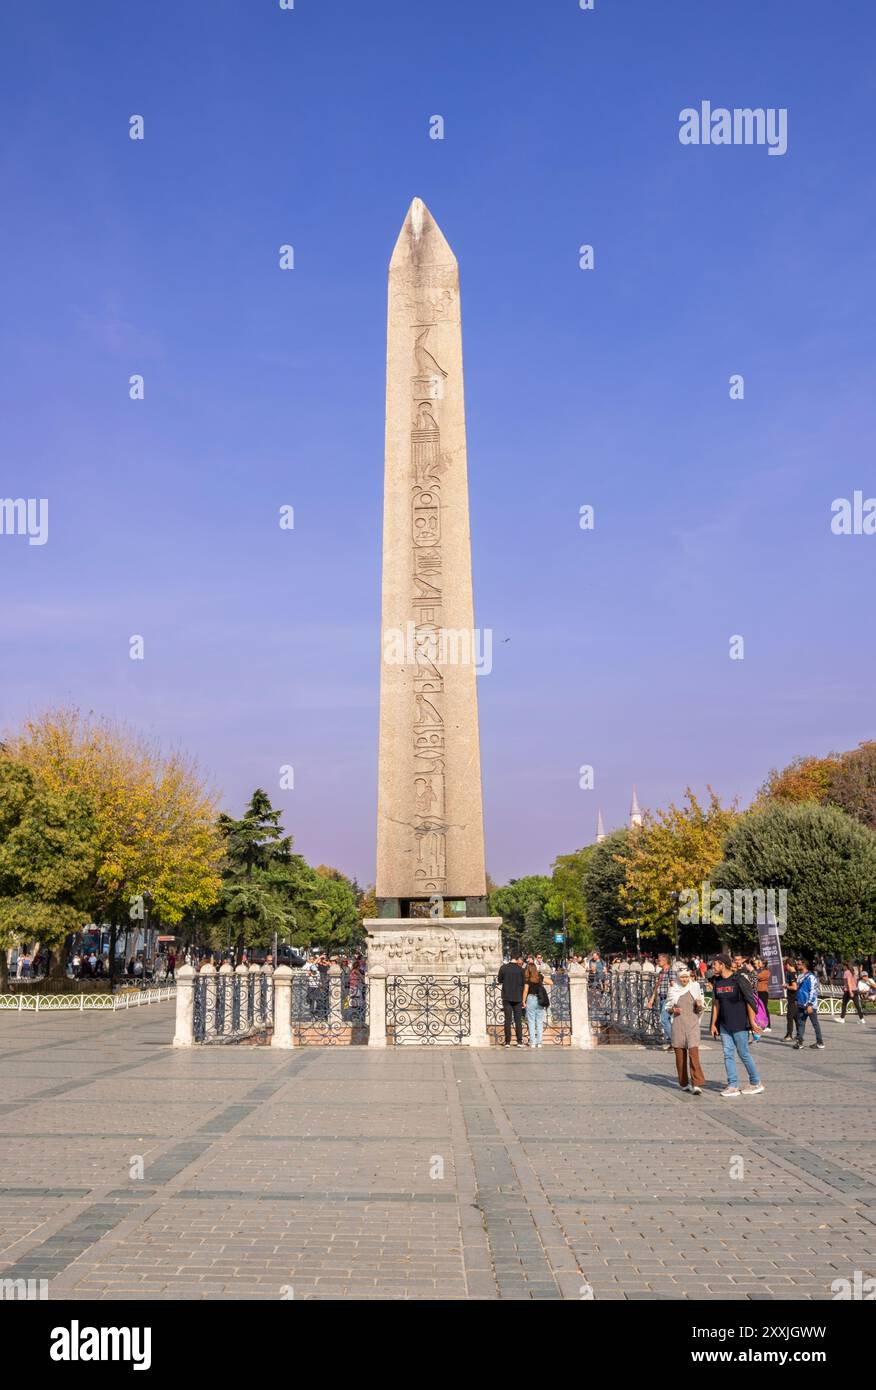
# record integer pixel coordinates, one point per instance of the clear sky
(607, 387)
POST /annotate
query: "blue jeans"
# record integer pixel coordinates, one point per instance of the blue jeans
(666, 1021)
(733, 1043)
(802, 1018)
(534, 1019)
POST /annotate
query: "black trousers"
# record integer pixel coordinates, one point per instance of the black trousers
(851, 999)
(513, 1010)
(792, 1018)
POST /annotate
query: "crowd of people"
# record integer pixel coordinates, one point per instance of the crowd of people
(739, 998)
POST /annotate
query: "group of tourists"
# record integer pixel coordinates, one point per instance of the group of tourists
(524, 992)
(315, 975)
(29, 967)
(740, 1011)
(88, 965)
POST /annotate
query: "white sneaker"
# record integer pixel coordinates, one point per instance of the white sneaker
(768, 1029)
(697, 1090)
(730, 1091)
(837, 1019)
(860, 1020)
(753, 1090)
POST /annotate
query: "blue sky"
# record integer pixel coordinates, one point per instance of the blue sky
(610, 387)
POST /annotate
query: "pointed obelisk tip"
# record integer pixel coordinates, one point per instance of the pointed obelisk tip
(421, 236)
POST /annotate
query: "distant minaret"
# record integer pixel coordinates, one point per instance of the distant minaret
(600, 828)
(635, 813)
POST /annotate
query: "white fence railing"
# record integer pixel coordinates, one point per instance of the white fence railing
(85, 1003)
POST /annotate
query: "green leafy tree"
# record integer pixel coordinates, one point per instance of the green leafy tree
(604, 878)
(48, 862)
(566, 900)
(825, 860)
(513, 901)
(536, 938)
(336, 920)
(260, 878)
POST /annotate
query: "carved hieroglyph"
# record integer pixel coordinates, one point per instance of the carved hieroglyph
(430, 821)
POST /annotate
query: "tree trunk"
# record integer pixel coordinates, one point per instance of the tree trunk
(114, 936)
(4, 971)
(56, 968)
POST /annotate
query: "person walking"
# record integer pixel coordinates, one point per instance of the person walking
(535, 1002)
(850, 992)
(665, 977)
(807, 1005)
(791, 999)
(732, 1019)
(510, 977)
(685, 1002)
(763, 988)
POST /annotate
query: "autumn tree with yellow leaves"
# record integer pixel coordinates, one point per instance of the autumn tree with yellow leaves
(153, 822)
(674, 851)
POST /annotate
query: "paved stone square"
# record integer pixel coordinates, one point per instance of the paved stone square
(432, 1172)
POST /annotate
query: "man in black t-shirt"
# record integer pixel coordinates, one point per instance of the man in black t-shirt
(732, 1018)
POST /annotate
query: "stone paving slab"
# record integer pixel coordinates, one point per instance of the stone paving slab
(338, 1173)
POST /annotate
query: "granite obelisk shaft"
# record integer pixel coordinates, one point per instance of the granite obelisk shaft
(430, 842)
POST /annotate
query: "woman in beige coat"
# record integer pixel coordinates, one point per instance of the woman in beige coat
(685, 1004)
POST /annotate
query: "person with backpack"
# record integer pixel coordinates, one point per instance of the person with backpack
(535, 1003)
(807, 1005)
(733, 1005)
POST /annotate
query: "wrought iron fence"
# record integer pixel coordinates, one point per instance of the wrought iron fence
(558, 1021)
(328, 1010)
(629, 1004)
(427, 1009)
(226, 1008)
(623, 1000)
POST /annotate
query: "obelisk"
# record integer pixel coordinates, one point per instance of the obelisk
(430, 838)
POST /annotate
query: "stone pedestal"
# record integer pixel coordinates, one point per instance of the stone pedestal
(434, 945)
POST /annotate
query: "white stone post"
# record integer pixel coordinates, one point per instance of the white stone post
(477, 1004)
(209, 971)
(282, 1008)
(185, 1007)
(268, 970)
(242, 973)
(256, 972)
(226, 984)
(377, 1006)
(581, 1035)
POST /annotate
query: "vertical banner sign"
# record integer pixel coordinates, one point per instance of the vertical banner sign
(771, 951)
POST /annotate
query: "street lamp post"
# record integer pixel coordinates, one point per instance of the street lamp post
(674, 899)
